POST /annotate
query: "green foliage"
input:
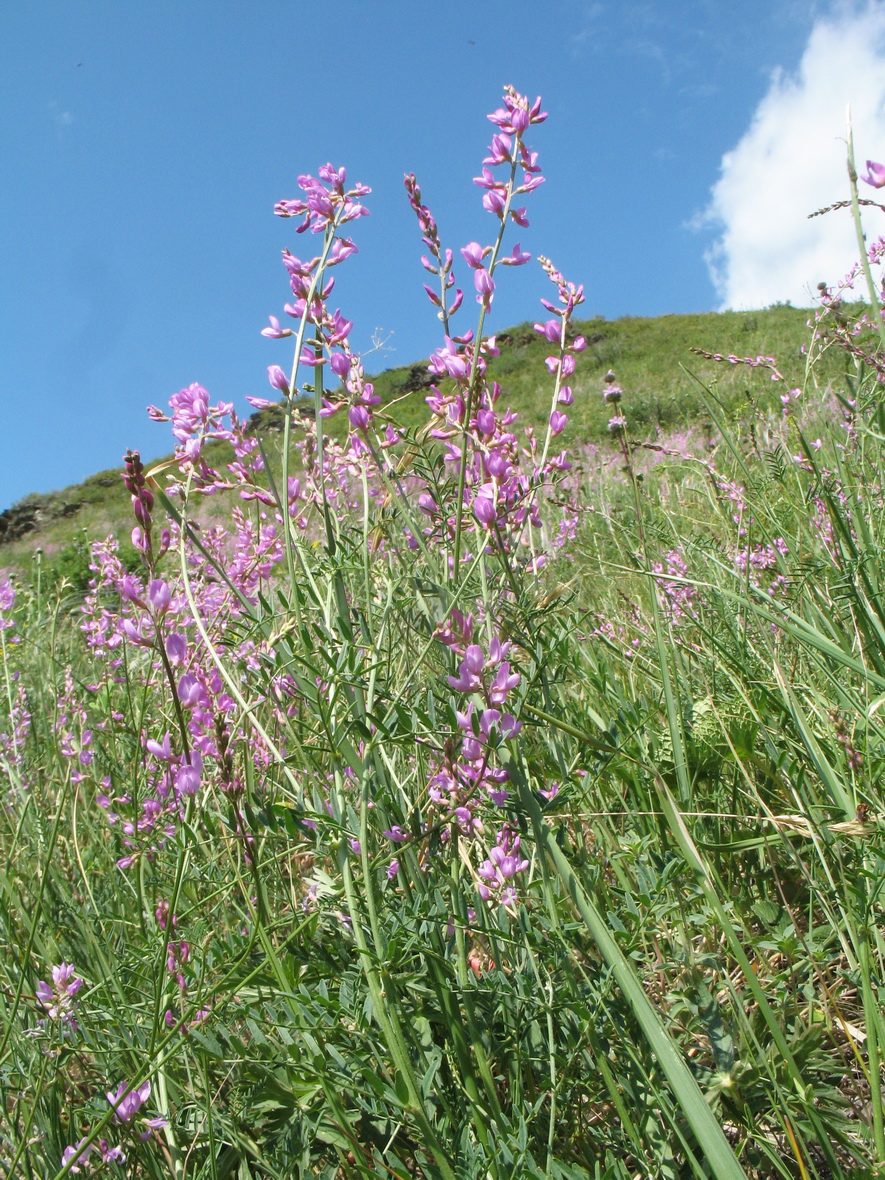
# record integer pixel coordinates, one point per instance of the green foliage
(688, 983)
(653, 358)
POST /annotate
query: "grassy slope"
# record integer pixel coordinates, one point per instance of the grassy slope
(652, 358)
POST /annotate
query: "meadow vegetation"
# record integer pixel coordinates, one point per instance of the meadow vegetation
(446, 803)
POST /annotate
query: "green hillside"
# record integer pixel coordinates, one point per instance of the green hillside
(653, 358)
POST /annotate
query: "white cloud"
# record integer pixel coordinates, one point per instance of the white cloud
(791, 161)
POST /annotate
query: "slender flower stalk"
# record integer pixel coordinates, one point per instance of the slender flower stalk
(861, 239)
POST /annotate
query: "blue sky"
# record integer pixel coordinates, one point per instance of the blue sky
(145, 146)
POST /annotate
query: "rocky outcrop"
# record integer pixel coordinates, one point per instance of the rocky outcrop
(34, 512)
(417, 378)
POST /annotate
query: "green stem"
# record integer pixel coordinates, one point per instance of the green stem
(709, 1133)
(38, 912)
(861, 238)
(872, 1017)
(385, 1013)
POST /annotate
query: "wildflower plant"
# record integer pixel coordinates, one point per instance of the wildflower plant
(402, 811)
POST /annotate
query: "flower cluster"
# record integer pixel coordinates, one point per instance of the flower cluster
(15, 735)
(326, 202)
(679, 598)
(58, 997)
(508, 147)
(440, 261)
(81, 1156)
(498, 870)
(126, 1102)
(7, 601)
(327, 205)
(760, 562)
(555, 330)
(847, 739)
(466, 782)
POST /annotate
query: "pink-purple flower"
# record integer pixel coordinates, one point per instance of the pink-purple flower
(126, 1102)
(58, 999)
(875, 174)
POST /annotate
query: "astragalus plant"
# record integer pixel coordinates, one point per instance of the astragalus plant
(423, 818)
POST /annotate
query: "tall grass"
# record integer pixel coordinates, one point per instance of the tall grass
(454, 812)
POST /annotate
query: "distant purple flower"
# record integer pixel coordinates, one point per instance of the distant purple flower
(517, 114)
(499, 149)
(507, 725)
(126, 1102)
(875, 175)
(502, 684)
(468, 679)
(7, 594)
(58, 999)
(157, 1124)
(451, 361)
(321, 206)
(486, 421)
(503, 863)
(75, 1158)
(494, 200)
(341, 248)
(551, 329)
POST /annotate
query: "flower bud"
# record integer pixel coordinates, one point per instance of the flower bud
(278, 378)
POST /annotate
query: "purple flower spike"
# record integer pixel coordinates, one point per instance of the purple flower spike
(875, 175)
(126, 1102)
